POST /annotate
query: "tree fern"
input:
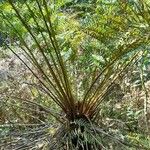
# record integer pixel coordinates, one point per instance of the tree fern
(79, 127)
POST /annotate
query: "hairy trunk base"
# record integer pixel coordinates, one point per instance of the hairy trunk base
(82, 145)
(78, 141)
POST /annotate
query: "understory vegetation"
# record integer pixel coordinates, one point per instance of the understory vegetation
(75, 75)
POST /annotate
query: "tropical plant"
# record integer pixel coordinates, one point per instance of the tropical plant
(76, 59)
